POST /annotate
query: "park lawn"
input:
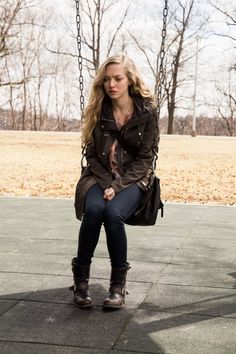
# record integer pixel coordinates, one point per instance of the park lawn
(200, 169)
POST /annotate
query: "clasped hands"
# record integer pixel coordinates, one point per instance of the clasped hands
(109, 193)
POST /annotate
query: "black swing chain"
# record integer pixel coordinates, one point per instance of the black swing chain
(81, 80)
(162, 56)
(161, 75)
(79, 41)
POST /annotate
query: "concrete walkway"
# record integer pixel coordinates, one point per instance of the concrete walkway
(182, 283)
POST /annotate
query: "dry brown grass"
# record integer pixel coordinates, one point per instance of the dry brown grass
(201, 169)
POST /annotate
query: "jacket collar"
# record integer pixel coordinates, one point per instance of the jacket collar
(107, 120)
(141, 104)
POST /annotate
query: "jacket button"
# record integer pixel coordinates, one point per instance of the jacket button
(102, 126)
(124, 152)
(104, 153)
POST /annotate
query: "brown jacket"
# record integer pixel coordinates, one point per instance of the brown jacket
(138, 142)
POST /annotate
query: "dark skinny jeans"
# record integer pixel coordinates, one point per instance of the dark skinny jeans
(112, 215)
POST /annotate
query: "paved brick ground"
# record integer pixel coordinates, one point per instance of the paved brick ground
(182, 283)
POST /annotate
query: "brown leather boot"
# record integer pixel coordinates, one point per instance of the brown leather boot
(80, 288)
(117, 291)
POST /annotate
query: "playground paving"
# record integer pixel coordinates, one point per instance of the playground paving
(182, 284)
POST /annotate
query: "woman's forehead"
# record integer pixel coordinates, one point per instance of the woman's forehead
(114, 69)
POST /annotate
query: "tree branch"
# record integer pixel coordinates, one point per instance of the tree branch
(117, 30)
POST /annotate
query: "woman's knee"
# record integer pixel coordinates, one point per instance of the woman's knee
(94, 209)
(113, 214)
(94, 205)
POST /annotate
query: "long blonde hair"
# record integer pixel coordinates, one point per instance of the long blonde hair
(97, 93)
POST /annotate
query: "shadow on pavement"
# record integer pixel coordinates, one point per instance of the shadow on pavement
(49, 317)
(234, 276)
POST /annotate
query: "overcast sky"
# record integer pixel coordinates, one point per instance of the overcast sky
(217, 47)
(217, 52)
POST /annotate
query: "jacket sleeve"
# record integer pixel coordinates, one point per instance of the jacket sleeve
(100, 172)
(144, 159)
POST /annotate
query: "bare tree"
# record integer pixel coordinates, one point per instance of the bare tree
(176, 47)
(183, 25)
(226, 107)
(99, 35)
(9, 11)
(25, 68)
(11, 24)
(27, 58)
(227, 102)
(43, 70)
(96, 38)
(152, 55)
(230, 19)
(11, 21)
(9, 31)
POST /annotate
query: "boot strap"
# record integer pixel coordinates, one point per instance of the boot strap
(121, 291)
(82, 288)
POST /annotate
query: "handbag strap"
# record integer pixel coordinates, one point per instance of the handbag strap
(83, 157)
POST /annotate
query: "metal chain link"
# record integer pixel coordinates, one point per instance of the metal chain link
(81, 79)
(162, 56)
(161, 78)
(79, 41)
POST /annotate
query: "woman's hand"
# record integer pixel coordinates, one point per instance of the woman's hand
(109, 193)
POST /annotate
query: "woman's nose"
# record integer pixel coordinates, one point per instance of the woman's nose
(112, 83)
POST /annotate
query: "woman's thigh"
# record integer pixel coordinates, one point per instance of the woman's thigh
(94, 202)
(124, 203)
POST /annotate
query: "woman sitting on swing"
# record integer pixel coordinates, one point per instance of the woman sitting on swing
(120, 132)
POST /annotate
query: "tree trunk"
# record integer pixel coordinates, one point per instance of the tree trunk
(171, 119)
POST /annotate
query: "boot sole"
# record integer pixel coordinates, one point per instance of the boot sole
(84, 306)
(113, 307)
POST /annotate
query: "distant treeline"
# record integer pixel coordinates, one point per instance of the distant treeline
(215, 126)
(183, 125)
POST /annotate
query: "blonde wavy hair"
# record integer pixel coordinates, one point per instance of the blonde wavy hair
(97, 93)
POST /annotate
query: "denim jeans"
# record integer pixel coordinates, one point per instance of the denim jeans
(112, 214)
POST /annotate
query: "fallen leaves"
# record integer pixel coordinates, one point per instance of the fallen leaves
(201, 169)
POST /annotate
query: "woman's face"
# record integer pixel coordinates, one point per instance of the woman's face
(116, 82)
